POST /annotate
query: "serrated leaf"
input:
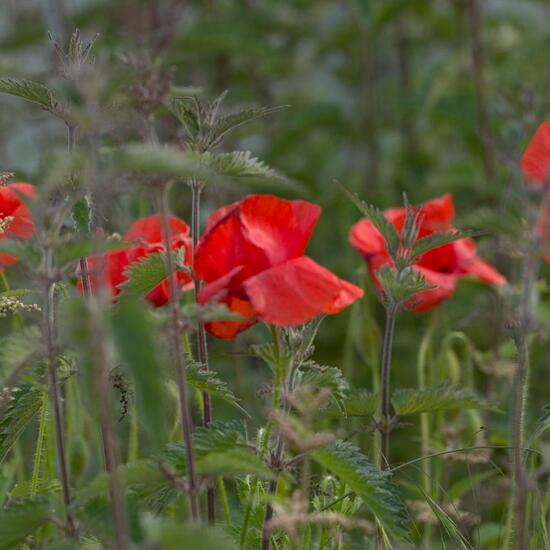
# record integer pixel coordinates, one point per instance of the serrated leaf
(361, 402)
(242, 166)
(21, 519)
(143, 276)
(438, 398)
(380, 495)
(543, 424)
(330, 378)
(229, 122)
(183, 111)
(208, 382)
(19, 406)
(376, 216)
(435, 240)
(31, 91)
(402, 285)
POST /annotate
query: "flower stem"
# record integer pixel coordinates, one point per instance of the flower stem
(179, 358)
(48, 321)
(520, 391)
(202, 348)
(385, 428)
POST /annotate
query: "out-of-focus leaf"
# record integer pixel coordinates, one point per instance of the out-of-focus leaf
(543, 424)
(435, 240)
(373, 486)
(438, 398)
(20, 519)
(133, 335)
(32, 91)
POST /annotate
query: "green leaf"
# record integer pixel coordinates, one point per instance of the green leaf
(20, 519)
(229, 122)
(379, 220)
(19, 406)
(367, 481)
(156, 161)
(402, 285)
(435, 240)
(242, 166)
(133, 331)
(32, 91)
(182, 109)
(208, 382)
(18, 348)
(330, 378)
(458, 489)
(143, 276)
(438, 398)
(361, 402)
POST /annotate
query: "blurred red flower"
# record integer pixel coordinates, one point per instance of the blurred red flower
(145, 236)
(441, 267)
(251, 258)
(15, 218)
(535, 161)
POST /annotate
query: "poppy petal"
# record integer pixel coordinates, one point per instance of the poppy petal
(150, 230)
(535, 161)
(367, 239)
(444, 284)
(471, 264)
(297, 291)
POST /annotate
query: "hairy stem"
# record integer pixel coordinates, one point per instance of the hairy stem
(49, 335)
(201, 335)
(385, 428)
(520, 391)
(179, 358)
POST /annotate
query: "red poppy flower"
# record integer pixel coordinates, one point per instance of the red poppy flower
(535, 161)
(251, 258)
(441, 267)
(145, 236)
(15, 218)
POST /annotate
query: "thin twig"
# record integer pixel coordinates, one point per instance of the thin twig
(179, 358)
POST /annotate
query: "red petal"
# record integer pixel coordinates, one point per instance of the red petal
(535, 161)
(297, 291)
(367, 239)
(11, 204)
(150, 229)
(219, 214)
(106, 271)
(281, 228)
(471, 264)
(6, 260)
(445, 284)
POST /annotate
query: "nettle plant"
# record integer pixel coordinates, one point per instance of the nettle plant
(106, 371)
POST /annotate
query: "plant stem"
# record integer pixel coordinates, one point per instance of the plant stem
(202, 348)
(385, 428)
(179, 358)
(39, 445)
(55, 394)
(520, 390)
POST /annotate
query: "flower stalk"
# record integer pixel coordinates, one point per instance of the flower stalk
(179, 358)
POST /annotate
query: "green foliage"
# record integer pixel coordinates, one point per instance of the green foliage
(34, 92)
(438, 398)
(329, 378)
(435, 240)
(208, 381)
(143, 276)
(400, 285)
(22, 518)
(19, 405)
(18, 348)
(543, 424)
(365, 479)
(361, 403)
(133, 335)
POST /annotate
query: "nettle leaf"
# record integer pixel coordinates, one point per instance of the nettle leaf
(330, 378)
(207, 381)
(380, 495)
(376, 216)
(19, 405)
(361, 402)
(181, 108)
(438, 398)
(143, 276)
(435, 240)
(32, 91)
(21, 519)
(233, 120)
(401, 285)
(157, 161)
(242, 166)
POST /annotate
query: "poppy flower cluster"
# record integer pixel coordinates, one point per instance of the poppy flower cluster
(251, 258)
(441, 267)
(15, 218)
(145, 236)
